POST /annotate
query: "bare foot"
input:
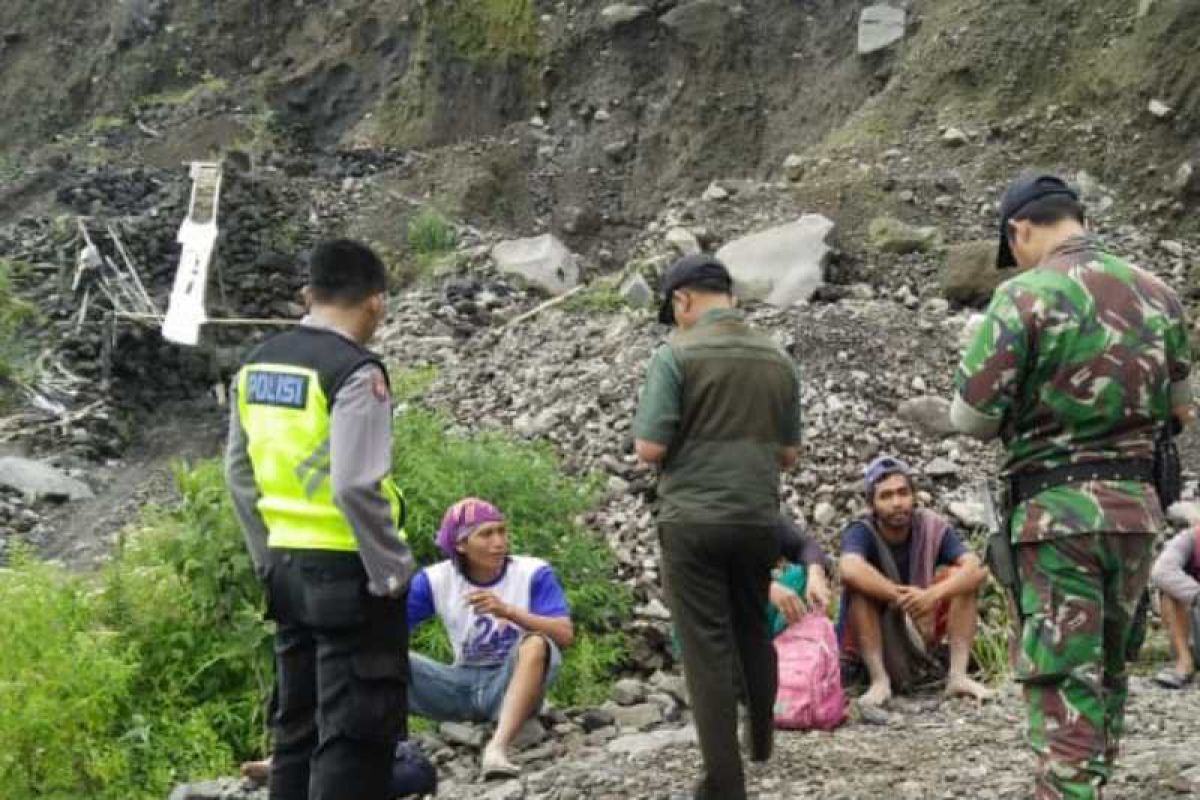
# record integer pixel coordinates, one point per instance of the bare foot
(257, 771)
(962, 686)
(877, 695)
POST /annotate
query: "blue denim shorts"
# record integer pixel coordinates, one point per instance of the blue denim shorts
(446, 693)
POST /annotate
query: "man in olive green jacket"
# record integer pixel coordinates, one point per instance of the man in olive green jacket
(719, 413)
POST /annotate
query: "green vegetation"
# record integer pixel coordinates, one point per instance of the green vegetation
(180, 97)
(16, 317)
(431, 240)
(491, 30)
(430, 234)
(596, 300)
(105, 123)
(155, 670)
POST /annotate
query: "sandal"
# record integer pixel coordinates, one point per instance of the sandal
(1170, 678)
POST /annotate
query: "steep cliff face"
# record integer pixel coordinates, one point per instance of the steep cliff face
(634, 101)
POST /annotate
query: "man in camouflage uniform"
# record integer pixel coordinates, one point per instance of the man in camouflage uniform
(1078, 361)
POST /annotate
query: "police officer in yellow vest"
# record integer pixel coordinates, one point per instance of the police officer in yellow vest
(308, 466)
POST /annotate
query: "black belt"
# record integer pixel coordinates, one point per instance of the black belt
(1025, 485)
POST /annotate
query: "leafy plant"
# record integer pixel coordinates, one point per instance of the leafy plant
(430, 234)
(598, 300)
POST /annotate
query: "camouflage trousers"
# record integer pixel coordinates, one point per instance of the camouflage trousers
(1078, 597)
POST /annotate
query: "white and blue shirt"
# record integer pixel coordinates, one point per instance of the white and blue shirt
(482, 640)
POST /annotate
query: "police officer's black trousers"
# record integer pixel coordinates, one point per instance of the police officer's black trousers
(341, 661)
(717, 580)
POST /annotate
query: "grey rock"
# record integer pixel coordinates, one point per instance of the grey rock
(674, 685)
(929, 413)
(716, 191)
(783, 265)
(794, 166)
(644, 743)
(508, 790)
(955, 137)
(683, 240)
(824, 513)
(618, 14)
(462, 733)
(970, 275)
(38, 480)
(600, 736)
(1186, 180)
(1172, 247)
(890, 235)
(639, 716)
(635, 290)
(540, 261)
(970, 513)
(531, 733)
(628, 692)
(879, 26)
(220, 789)
(595, 718)
(615, 150)
(1184, 512)
(941, 468)
(699, 23)
(1159, 109)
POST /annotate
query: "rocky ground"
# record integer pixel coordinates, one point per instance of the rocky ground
(928, 748)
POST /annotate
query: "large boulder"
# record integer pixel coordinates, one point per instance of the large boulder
(540, 261)
(783, 265)
(970, 274)
(699, 23)
(618, 14)
(37, 480)
(879, 27)
(928, 413)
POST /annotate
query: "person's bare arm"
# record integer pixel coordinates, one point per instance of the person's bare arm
(968, 575)
(560, 629)
(650, 452)
(858, 574)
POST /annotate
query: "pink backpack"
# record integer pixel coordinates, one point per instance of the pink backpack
(810, 678)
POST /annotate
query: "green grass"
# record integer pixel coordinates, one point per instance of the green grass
(596, 300)
(181, 97)
(154, 670)
(17, 317)
(491, 30)
(430, 234)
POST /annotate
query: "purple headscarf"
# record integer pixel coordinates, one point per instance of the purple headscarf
(461, 520)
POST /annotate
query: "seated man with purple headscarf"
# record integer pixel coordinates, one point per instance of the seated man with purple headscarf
(507, 619)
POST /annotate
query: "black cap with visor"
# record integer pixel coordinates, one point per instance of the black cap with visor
(1021, 192)
(696, 271)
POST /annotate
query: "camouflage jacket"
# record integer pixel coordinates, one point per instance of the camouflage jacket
(1079, 359)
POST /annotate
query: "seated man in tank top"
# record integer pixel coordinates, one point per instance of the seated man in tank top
(507, 619)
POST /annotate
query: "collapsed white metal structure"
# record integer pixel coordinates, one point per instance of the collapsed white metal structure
(198, 234)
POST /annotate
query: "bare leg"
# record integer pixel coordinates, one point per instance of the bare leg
(524, 691)
(960, 628)
(1175, 617)
(864, 616)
